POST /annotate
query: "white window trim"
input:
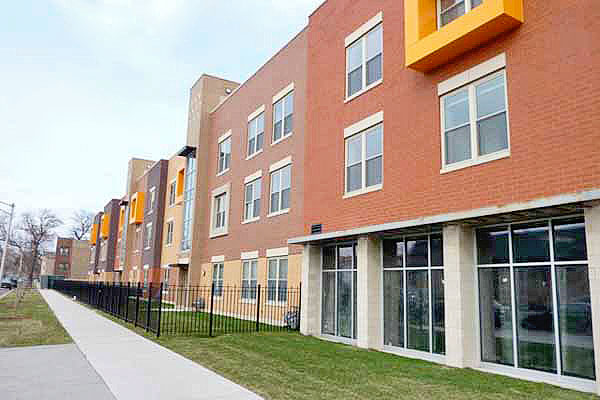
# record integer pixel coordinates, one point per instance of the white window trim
(212, 280)
(277, 302)
(217, 259)
(249, 261)
(224, 230)
(361, 127)
(256, 113)
(253, 219)
(149, 224)
(278, 252)
(277, 213)
(253, 177)
(468, 8)
(360, 34)
(279, 97)
(151, 192)
(472, 74)
(172, 222)
(221, 139)
(284, 92)
(249, 255)
(174, 181)
(254, 154)
(280, 164)
(475, 159)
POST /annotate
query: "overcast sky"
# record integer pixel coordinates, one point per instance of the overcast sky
(78, 76)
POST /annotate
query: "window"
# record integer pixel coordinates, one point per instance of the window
(283, 117)
(145, 277)
(449, 10)
(224, 155)
(148, 242)
(252, 200)
(534, 297)
(152, 199)
(169, 236)
(172, 192)
(364, 61)
(188, 202)
(413, 284)
(277, 276)
(280, 189)
(364, 160)
(220, 211)
(339, 287)
(256, 133)
(217, 279)
(475, 121)
(64, 251)
(249, 280)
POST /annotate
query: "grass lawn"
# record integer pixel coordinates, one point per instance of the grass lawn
(291, 366)
(34, 323)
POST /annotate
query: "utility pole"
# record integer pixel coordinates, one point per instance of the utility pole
(8, 231)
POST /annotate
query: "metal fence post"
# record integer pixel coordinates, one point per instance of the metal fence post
(212, 299)
(127, 302)
(258, 310)
(159, 309)
(299, 304)
(137, 304)
(149, 307)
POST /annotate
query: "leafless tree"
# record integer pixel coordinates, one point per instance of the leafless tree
(81, 224)
(37, 230)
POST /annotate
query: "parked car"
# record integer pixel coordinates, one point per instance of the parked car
(8, 284)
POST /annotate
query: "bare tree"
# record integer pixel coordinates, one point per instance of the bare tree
(37, 230)
(81, 224)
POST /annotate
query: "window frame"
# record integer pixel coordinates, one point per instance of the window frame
(468, 7)
(249, 262)
(217, 193)
(218, 269)
(363, 162)
(278, 280)
(253, 120)
(226, 161)
(252, 202)
(279, 210)
(282, 100)
(151, 200)
(172, 192)
(370, 26)
(475, 158)
(170, 225)
(148, 236)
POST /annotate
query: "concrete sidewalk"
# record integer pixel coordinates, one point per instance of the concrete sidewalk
(134, 367)
(49, 372)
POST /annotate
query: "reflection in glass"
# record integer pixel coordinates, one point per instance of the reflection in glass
(531, 243)
(417, 296)
(437, 251)
(575, 321)
(344, 304)
(393, 295)
(329, 258)
(346, 257)
(569, 240)
(438, 321)
(535, 324)
(393, 251)
(496, 315)
(328, 300)
(492, 245)
(416, 252)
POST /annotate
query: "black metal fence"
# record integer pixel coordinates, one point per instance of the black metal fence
(192, 310)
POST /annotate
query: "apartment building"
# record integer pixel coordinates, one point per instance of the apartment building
(254, 176)
(93, 272)
(452, 183)
(70, 259)
(107, 240)
(173, 223)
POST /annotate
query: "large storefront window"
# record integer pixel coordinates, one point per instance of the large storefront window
(534, 297)
(339, 291)
(413, 280)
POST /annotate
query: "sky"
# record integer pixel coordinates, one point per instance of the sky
(79, 76)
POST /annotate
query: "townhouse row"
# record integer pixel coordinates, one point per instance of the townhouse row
(428, 171)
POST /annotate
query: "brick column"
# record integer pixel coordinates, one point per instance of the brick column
(592, 233)
(310, 318)
(368, 313)
(460, 296)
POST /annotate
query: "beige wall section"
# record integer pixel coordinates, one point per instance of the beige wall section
(170, 253)
(460, 296)
(592, 231)
(310, 318)
(80, 252)
(47, 265)
(369, 314)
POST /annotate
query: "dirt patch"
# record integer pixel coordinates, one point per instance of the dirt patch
(17, 318)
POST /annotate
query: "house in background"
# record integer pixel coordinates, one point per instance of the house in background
(71, 258)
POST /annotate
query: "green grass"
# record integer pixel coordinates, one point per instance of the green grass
(34, 323)
(291, 366)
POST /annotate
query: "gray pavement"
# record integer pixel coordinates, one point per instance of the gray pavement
(134, 367)
(4, 292)
(50, 373)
